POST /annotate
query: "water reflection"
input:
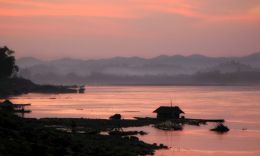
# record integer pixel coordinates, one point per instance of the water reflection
(238, 105)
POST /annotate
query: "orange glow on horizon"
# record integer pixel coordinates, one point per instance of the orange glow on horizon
(127, 9)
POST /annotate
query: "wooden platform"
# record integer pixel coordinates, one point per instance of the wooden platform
(202, 120)
(183, 120)
(21, 105)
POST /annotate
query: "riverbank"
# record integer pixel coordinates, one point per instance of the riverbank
(17, 86)
(96, 124)
(30, 137)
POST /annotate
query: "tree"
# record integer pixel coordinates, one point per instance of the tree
(7, 63)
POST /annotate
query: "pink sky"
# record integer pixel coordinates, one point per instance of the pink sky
(106, 28)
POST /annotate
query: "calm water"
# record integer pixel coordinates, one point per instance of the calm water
(239, 106)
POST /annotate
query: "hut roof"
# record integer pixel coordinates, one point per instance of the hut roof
(168, 109)
(7, 102)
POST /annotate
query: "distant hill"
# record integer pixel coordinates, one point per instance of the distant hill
(28, 62)
(232, 66)
(175, 65)
(252, 59)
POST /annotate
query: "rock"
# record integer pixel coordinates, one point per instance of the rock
(115, 117)
(220, 128)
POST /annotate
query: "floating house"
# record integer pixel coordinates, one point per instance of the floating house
(168, 112)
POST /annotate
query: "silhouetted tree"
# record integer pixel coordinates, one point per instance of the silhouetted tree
(7, 62)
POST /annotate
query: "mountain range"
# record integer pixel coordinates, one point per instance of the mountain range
(164, 65)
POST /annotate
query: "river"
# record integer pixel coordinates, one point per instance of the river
(239, 106)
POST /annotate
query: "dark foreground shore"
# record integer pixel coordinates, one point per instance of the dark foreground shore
(68, 137)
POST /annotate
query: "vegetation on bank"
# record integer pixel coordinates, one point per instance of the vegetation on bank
(7, 63)
(11, 85)
(16, 86)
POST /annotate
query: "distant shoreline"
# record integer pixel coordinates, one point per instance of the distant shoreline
(184, 85)
(17, 86)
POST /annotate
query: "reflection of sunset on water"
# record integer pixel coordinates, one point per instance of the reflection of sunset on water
(237, 105)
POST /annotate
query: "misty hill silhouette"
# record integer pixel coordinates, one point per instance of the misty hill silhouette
(29, 62)
(164, 65)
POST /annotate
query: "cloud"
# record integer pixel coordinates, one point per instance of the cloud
(44, 8)
(130, 26)
(212, 10)
(228, 10)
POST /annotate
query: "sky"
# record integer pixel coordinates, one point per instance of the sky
(51, 29)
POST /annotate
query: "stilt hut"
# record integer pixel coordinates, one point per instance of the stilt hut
(7, 105)
(168, 112)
